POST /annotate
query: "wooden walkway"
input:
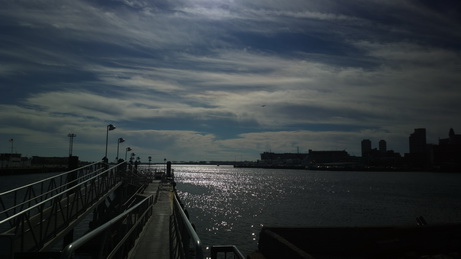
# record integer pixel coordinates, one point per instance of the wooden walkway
(154, 241)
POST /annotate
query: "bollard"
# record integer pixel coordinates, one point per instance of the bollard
(168, 169)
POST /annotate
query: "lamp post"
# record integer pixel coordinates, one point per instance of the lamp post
(132, 158)
(12, 145)
(120, 140)
(109, 127)
(71, 142)
(131, 161)
(126, 151)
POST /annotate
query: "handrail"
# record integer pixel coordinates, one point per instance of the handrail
(196, 243)
(42, 212)
(70, 249)
(37, 191)
(52, 197)
(47, 179)
(52, 190)
(190, 229)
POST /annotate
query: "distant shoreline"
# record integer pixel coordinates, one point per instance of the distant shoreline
(358, 169)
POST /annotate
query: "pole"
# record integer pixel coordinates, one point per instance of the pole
(109, 127)
(120, 140)
(107, 140)
(71, 142)
(118, 144)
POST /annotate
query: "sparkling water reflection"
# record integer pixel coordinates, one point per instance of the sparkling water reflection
(230, 205)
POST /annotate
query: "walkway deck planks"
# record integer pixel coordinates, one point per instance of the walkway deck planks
(154, 241)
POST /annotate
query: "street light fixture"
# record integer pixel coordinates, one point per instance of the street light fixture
(120, 140)
(126, 152)
(132, 157)
(109, 127)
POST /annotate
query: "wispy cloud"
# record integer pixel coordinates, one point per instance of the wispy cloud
(210, 79)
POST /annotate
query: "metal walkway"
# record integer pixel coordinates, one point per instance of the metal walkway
(34, 216)
(133, 216)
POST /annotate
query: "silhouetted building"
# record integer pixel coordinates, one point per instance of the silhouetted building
(366, 147)
(283, 158)
(50, 161)
(381, 158)
(382, 146)
(328, 156)
(453, 139)
(418, 141)
(447, 155)
(8, 160)
(421, 154)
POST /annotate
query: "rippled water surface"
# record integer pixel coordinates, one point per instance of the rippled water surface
(230, 205)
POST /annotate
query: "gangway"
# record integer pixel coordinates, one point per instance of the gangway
(134, 216)
(34, 216)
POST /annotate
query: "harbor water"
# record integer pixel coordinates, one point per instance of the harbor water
(230, 205)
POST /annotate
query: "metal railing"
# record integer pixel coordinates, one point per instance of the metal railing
(116, 237)
(36, 214)
(185, 242)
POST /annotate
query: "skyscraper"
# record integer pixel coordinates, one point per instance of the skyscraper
(418, 141)
(382, 146)
(366, 147)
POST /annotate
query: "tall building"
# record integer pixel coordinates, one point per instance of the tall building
(453, 139)
(382, 146)
(447, 154)
(366, 147)
(418, 141)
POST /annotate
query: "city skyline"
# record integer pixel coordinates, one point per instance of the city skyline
(417, 143)
(225, 80)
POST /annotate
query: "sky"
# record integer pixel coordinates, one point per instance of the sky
(192, 80)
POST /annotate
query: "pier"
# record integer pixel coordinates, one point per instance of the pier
(131, 214)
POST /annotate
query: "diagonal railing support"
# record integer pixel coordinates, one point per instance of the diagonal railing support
(34, 215)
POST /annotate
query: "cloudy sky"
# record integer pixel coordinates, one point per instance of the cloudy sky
(226, 79)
